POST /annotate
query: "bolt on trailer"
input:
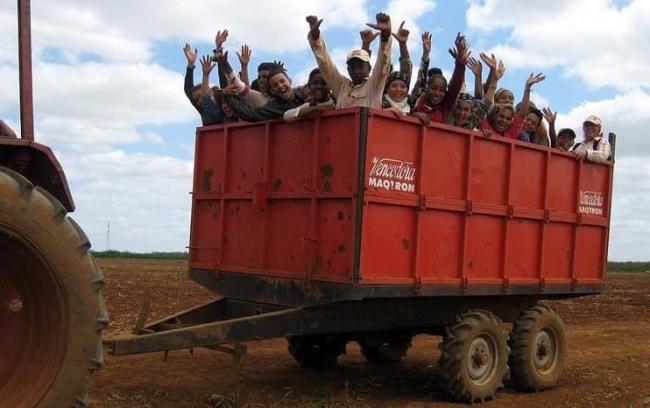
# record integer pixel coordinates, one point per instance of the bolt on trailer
(358, 226)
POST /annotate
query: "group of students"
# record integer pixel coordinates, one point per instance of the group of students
(489, 110)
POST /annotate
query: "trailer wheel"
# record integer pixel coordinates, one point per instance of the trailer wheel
(316, 350)
(474, 357)
(383, 348)
(538, 344)
(51, 308)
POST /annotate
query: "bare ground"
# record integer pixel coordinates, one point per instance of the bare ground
(608, 363)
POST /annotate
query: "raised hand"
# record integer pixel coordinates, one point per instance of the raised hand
(220, 38)
(426, 43)
(314, 27)
(368, 36)
(190, 55)
(383, 25)
(402, 34)
(490, 61)
(474, 65)
(280, 64)
(221, 57)
(534, 79)
(206, 64)
(245, 56)
(460, 52)
(549, 115)
(501, 69)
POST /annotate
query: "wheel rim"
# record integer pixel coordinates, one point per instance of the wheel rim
(482, 359)
(32, 318)
(545, 351)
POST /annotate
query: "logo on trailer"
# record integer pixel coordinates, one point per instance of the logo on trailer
(392, 174)
(591, 203)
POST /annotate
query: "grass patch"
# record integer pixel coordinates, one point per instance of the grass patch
(614, 267)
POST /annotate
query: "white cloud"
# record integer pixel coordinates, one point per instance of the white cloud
(595, 40)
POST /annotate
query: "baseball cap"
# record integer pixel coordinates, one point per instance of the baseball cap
(595, 120)
(568, 131)
(358, 54)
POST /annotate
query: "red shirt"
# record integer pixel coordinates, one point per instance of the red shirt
(512, 132)
(440, 113)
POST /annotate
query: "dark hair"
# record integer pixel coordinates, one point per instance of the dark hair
(266, 66)
(275, 69)
(536, 112)
(570, 132)
(435, 72)
(313, 73)
(254, 85)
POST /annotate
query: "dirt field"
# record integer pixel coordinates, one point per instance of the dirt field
(608, 363)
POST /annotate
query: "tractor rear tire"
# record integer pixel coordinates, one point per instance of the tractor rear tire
(538, 344)
(318, 350)
(382, 348)
(51, 309)
(474, 357)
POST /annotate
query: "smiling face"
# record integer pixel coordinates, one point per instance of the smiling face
(263, 80)
(398, 90)
(436, 90)
(564, 141)
(503, 119)
(358, 70)
(280, 86)
(505, 97)
(590, 130)
(227, 110)
(318, 88)
(462, 112)
(531, 123)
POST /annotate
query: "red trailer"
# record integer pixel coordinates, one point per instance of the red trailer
(360, 226)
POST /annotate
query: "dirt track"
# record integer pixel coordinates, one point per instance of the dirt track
(608, 363)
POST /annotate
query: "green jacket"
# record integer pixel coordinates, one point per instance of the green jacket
(274, 109)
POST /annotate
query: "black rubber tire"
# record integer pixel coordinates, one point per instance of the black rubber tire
(57, 286)
(317, 350)
(530, 371)
(471, 330)
(385, 348)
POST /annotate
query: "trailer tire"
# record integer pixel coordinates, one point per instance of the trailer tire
(317, 350)
(50, 300)
(382, 348)
(474, 357)
(538, 344)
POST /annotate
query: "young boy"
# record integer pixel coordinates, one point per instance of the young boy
(562, 140)
(364, 88)
(284, 98)
(320, 98)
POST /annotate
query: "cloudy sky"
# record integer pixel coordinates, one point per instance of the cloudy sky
(108, 80)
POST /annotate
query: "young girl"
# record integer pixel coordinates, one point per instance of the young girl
(438, 101)
(396, 97)
(503, 120)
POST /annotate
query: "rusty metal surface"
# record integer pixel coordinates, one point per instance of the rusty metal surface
(25, 70)
(420, 315)
(358, 203)
(38, 163)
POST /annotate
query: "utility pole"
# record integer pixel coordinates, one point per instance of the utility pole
(108, 236)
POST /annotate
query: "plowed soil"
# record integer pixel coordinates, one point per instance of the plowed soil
(608, 363)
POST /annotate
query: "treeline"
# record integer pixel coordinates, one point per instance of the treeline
(136, 255)
(628, 266)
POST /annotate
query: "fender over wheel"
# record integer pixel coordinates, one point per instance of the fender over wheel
(51, 309)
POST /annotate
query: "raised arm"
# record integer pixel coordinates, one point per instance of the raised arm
(382, 66)
(244, 59)
(525, 100)
(476, 67)
(550, 117)
(460, 53)
(405, 64)
(421, 83)
(189, 72)
(207, 66)
(367, 37)
(497, 69)
(330, 73)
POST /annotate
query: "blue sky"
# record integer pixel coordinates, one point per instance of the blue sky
(109, 94)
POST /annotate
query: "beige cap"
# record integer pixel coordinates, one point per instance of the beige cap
(359, 54)
(595, 120)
